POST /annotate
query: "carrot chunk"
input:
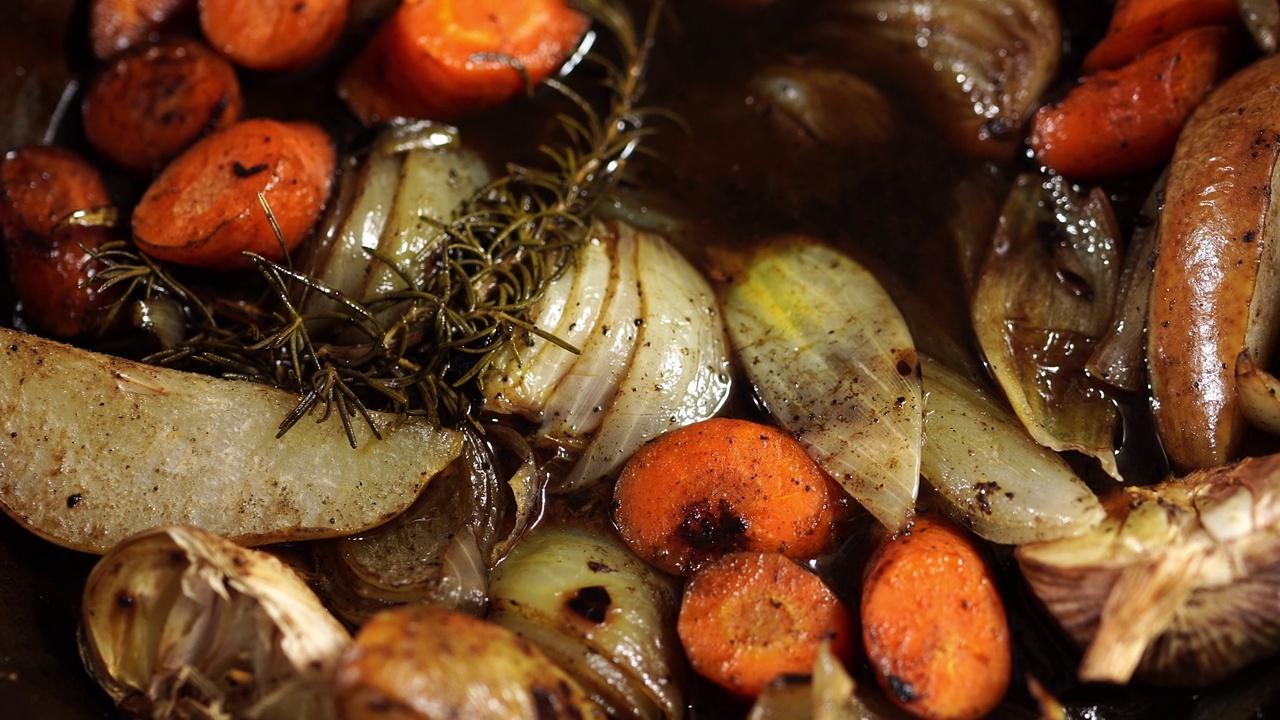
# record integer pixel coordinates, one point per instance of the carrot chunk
(722, 486)
(152, 101)
(273, 34)
(204, 210)
(1137, 25)
(445, 59)
(934, 625)
(1124, 121)
(116, 25)
(750, 617)
(39, 188)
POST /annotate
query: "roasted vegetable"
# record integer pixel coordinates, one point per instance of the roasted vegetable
(98, 448)
(180, 623)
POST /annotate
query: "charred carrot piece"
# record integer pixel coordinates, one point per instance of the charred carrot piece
(445, 59)
(933, 623)
(750, 617)
(203, 209)
(116, 25)
(273, 34)
(40, 187)
(1123, 121)
(722, 486)
(152, 101)
(1137, 25)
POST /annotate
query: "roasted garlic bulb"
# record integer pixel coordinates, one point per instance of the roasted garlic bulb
(180, 623)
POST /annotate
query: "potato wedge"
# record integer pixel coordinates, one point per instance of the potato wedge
(96, 449)
(1216, 288)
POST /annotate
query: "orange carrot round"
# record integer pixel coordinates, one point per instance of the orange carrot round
(116, 25)
(52, 280)
(204, 209)
(42, 185)
(273, 34)
(934, 625)
(750, 617)
(723, 486)
(1123, 121)
(153, 101)
(1137, 25)
(445, 59)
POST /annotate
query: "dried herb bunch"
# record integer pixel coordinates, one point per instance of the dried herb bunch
(419, 350)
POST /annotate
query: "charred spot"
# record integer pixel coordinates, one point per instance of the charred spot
(551, 705)
(902, 689)
(1074, 283)
(598, 567)
(1248, 236)
(984, 491)
(125, 601)
(243, 172)
(708, 526)
(591, 603)
(74, 500)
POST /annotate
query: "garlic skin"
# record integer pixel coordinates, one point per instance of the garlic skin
(180, 623)
(1178, 585)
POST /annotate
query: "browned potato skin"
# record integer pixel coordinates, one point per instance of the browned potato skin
(419, 662)
(1215, 280)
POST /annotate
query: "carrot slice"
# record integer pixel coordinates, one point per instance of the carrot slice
(153, 101)
(39, 188)
(750, 617)
(1137, 25)
(722, 486)
(116, 25)
(273, 34)
(1123, 121)
(204, 210)
(934, 625)
(445, 59)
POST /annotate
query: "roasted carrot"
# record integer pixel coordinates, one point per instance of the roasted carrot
(1137, 25)
(116, 25)
(444, 59)
(203, 209)
(723, 486)
(749, 617)
(1123, 121)
(40, 187)
(933, 623)
(152, 101)
(273, 34)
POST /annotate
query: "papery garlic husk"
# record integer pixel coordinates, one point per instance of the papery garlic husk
(977, 66)
(831, 358)
(423, 663)
(992, 476)
(441, 550)
(1178, 585)
(601, 613)
(97, 448)
(1045, 297)
(180, 623)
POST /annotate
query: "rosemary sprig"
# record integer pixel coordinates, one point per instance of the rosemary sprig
(422, 349)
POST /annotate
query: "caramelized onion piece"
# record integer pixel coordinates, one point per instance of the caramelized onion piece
(977, 66)
(1045, 297)
(832, 360)
(1178, 585)
(178, 622)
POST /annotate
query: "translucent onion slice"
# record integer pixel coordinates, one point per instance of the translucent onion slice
(832, 360)
(679, 371)
(602, 613)
(144, 446)
(1045, 297)
(829, 693)
(569, 310)
(977, 66)
(994, 478)
(1178, 585)
(576, 408)
(178, 622)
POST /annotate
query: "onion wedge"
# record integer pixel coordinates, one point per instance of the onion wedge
(97, 449)
(679, 372)
(832, 360)
(994, 477)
